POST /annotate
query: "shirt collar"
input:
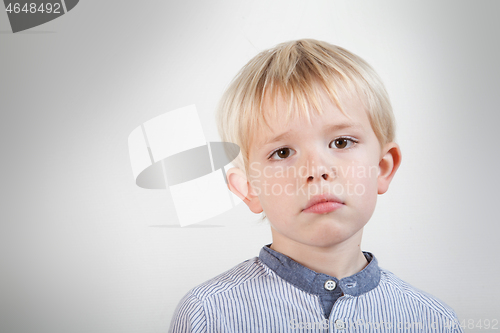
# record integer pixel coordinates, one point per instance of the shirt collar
(313, 282)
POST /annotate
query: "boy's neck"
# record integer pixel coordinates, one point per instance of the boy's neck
(340, 260)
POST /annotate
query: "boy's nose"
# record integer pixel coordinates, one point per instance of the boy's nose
(321, 172)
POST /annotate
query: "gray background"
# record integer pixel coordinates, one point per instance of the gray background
(82, 249)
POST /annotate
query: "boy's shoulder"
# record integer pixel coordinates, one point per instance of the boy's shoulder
(235, 277)
(394, 287)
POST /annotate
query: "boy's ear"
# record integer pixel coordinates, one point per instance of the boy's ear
(388, 165)
(239, 185)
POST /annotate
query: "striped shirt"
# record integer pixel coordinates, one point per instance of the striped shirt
(273, 293)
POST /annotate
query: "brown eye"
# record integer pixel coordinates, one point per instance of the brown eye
(343, 143)
(281, 153)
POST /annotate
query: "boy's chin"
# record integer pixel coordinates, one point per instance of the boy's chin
(330, 240)
(330, 237)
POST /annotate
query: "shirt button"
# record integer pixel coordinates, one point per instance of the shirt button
(339, 324)
(330, 285)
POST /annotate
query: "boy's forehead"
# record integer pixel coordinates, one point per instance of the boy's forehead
(277, 107)
(330, 119)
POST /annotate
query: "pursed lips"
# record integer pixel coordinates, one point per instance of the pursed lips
(322, 198)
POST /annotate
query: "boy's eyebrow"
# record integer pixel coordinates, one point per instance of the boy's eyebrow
(326, 129)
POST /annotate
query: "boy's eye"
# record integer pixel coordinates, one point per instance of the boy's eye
(343, 143)
(339, 143)
(281, 153)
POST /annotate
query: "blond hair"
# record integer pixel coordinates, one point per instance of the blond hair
(299, 71)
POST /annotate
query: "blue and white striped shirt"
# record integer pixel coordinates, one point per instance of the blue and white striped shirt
(273, 293)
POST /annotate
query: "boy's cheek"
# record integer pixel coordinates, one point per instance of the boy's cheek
(278, 189)
(362, 185)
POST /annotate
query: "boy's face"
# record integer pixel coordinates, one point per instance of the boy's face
(333, 154)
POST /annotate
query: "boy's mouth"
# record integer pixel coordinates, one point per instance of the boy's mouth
(323, 203)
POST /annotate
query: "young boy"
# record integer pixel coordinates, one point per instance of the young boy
(316, 132)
